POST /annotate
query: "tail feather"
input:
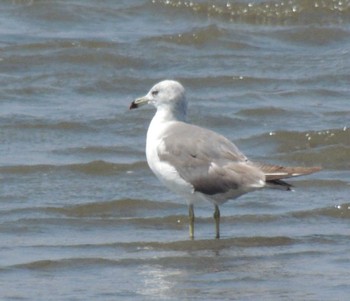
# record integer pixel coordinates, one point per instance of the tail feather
(275, 173)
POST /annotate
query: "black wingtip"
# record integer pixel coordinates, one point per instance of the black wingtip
(280, 184)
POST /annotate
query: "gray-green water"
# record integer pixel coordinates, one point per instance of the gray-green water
(81, 215)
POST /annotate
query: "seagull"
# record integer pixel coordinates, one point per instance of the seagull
(197, 163)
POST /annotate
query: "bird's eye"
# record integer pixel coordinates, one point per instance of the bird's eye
(155, 92)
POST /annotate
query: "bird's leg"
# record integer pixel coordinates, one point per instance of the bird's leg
(191, 220)
(217, 221)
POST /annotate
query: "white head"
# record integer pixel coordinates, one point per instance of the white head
(168, 97)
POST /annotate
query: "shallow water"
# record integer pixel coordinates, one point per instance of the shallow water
(81, 215)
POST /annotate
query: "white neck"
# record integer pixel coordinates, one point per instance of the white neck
(165, 115)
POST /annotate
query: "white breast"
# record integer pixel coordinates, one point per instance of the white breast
(165, 172)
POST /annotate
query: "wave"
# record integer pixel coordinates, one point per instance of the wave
(328, 148)
(15, 121)
(267, 12)
(264, 111)
(104, 209)
(64, 263)
(198, 36)
(341, 211)
(98, 167)
(176, 253)
(80, 52)
(177, 246)
(120, 208)
(98, 149)
(211, 244)
(312, 139)
(51, 125)
(145, 214)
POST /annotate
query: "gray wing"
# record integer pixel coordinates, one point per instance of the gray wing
(209, 161)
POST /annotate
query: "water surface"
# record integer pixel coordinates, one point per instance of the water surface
(81, 215)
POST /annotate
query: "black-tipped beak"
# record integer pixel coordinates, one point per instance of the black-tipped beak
(133, 105)
(138, 102)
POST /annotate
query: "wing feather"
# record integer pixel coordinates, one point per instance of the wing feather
(210, 162)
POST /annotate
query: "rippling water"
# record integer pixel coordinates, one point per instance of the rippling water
(81, 215)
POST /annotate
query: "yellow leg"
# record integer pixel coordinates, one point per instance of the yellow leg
(217, 221)
(191, 220)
